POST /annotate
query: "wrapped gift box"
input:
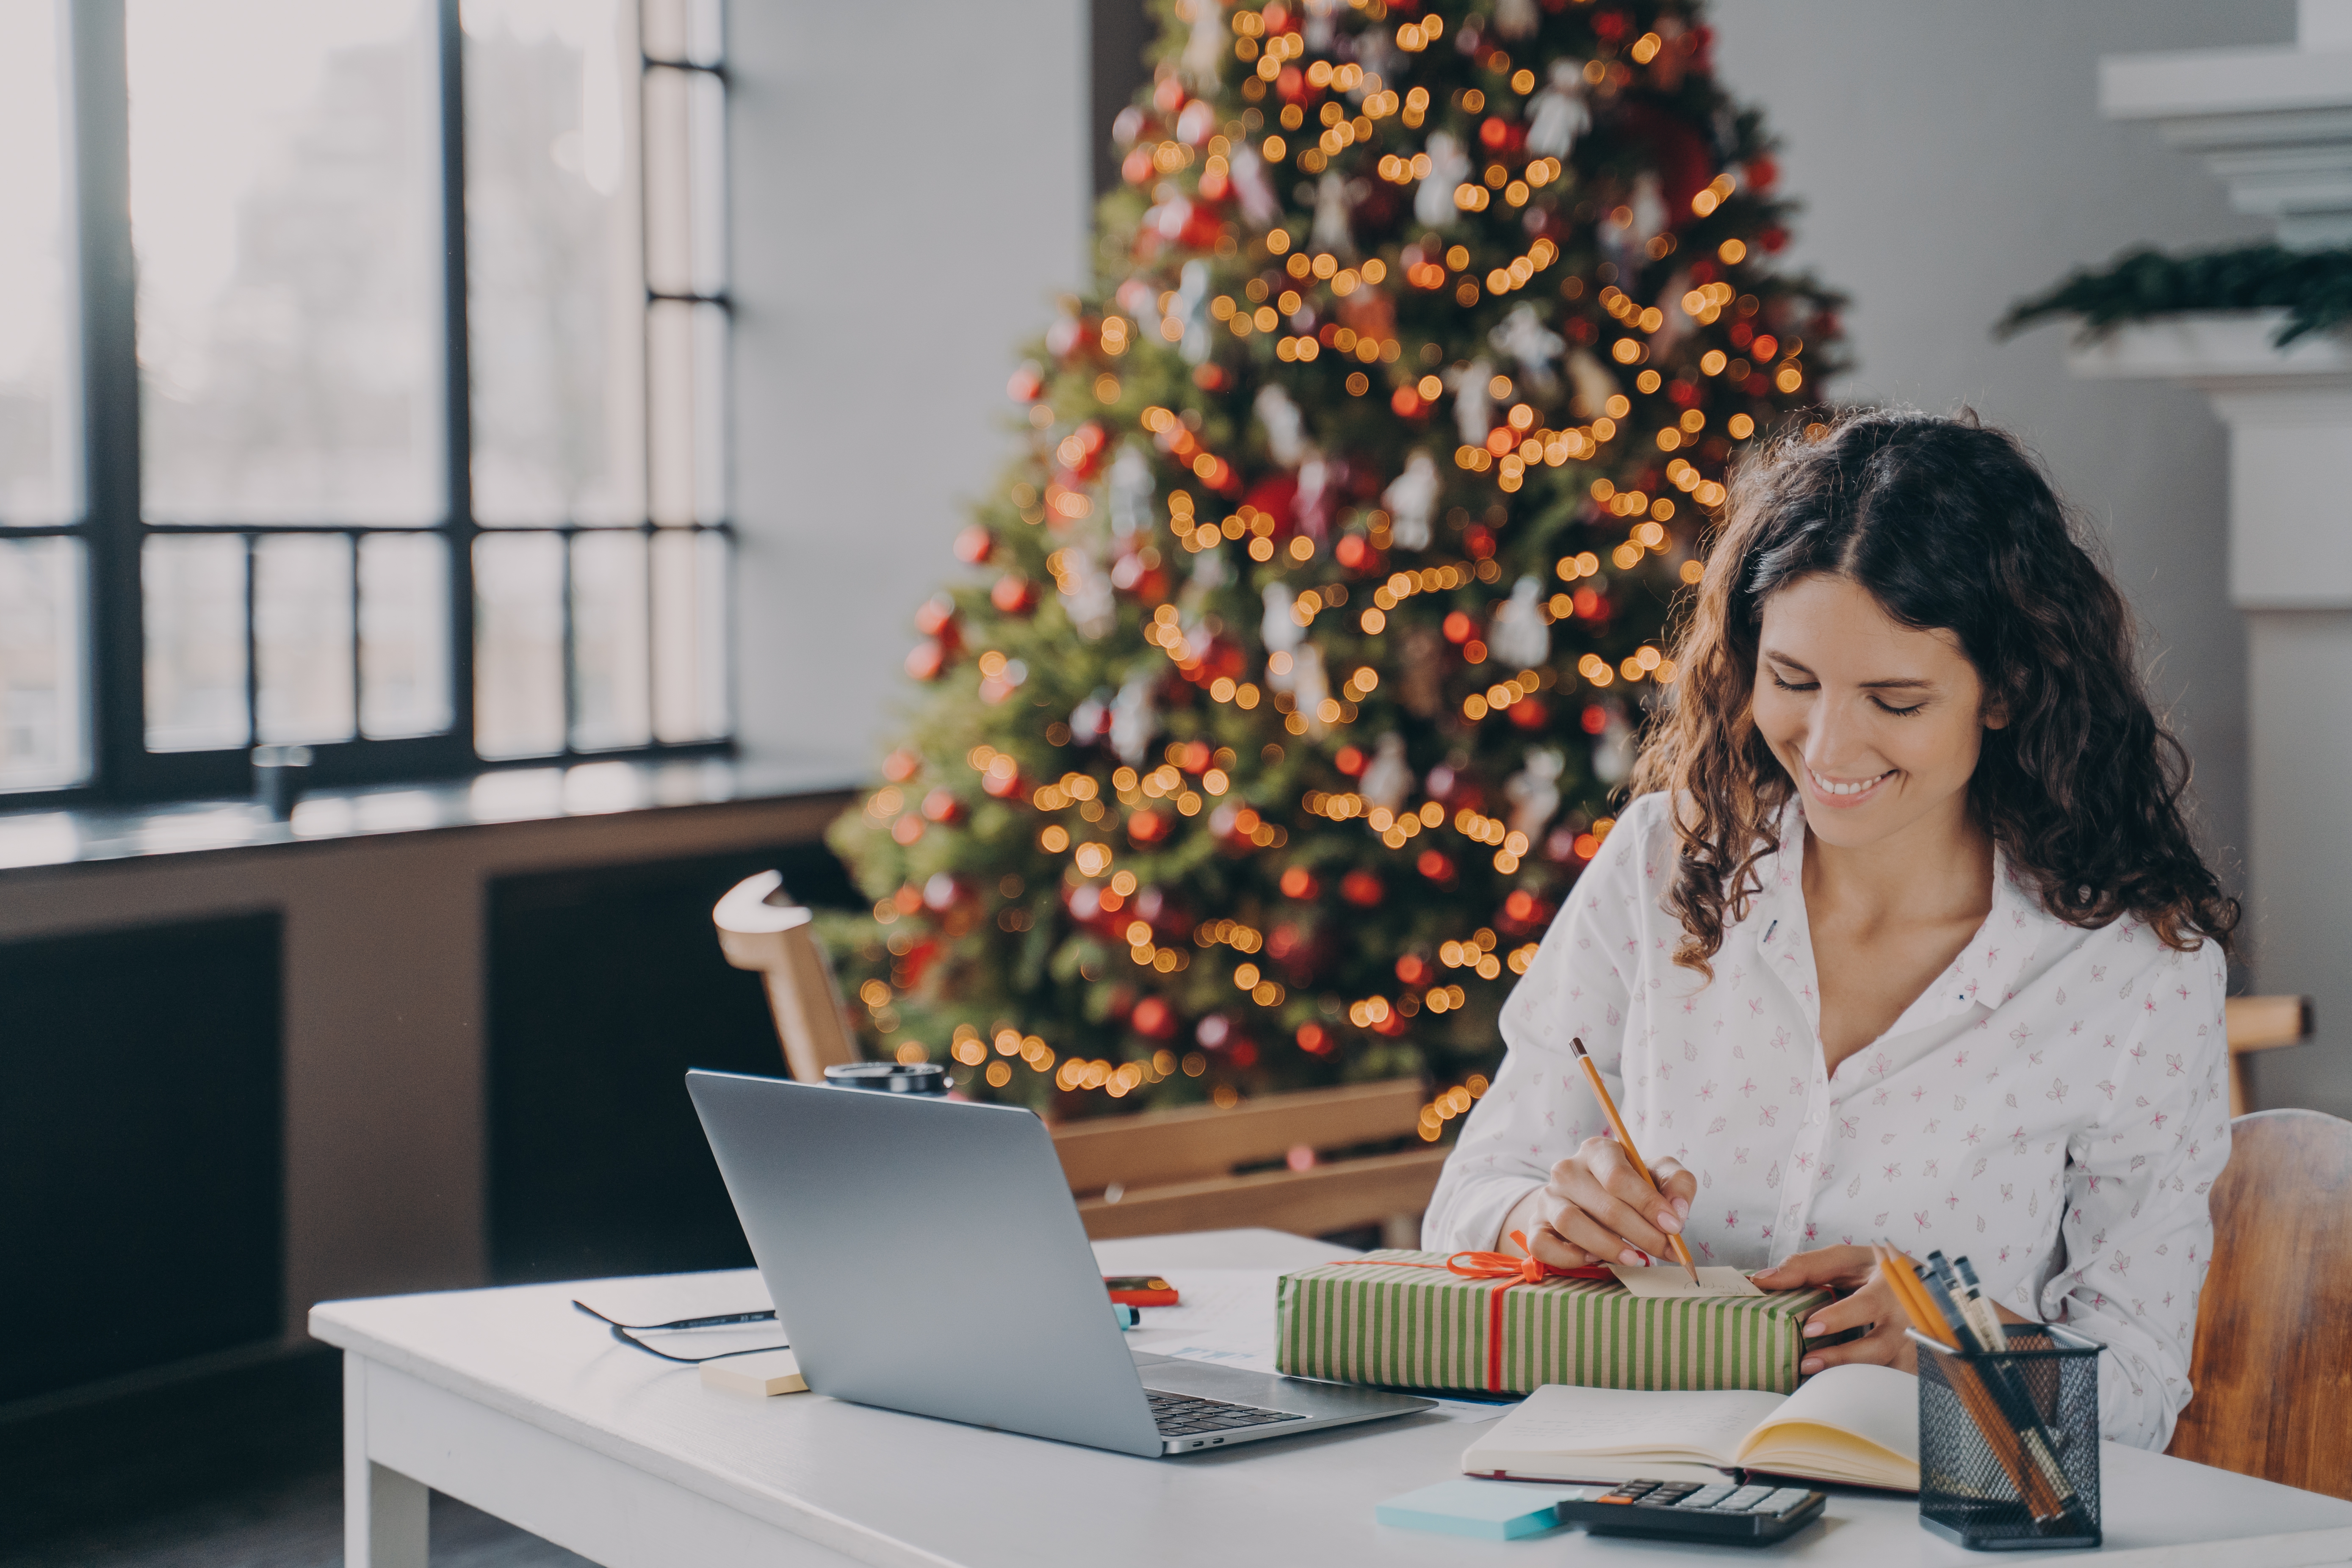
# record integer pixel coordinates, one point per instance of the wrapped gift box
(1404, 1320)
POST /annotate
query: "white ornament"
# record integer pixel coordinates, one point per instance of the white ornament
(1411, 501)
(1131, 491)
(1594, 386)
(1204, 51)
(1473, 408)
(1534, 793)
(1678, 322)
(1525, 338)
(1389, 779)
(1649, 204)
(1253, 189)
(1132, 721)
(1280, 630)
(1285, 436)
(1518, 637)
(1331, 231)
(1197, 124)
(1560, 115)
(1320, 31)
(1612, 754)
(1449, 165)
(1191, 308)
(1516, 19)
(1313, 474)
(1211, 569)
(1086, 595)
(1310, 687)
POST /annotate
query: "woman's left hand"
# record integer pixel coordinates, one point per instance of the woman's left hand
(1867, 1301)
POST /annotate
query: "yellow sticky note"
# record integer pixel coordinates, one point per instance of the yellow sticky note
(768, 1373)
(1670, 1279)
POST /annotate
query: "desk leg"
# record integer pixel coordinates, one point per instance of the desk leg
(385, 1514)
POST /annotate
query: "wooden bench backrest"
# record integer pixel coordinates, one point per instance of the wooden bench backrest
(779, 942)
(2261, 1023)
(2272, 1370)
(1202, 1142)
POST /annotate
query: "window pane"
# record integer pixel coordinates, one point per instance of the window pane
(404, 635)
(555, 294)
(686, 346)
(44, 738)
(608, 633)
(685, 182)
(302, 635)
(195, 597)
(684, 30)
(38, 458)
(519, 644)
(286, 212)
(689, 636)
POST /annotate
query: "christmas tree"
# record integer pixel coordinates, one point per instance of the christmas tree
(1303, 645)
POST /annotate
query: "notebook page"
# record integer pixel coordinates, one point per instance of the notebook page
(1561, 1420)
(1850, 1423)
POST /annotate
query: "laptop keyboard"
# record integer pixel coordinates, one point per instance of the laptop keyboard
(1181, 1415)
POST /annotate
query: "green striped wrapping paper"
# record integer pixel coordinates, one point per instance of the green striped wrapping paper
(1406, 1327)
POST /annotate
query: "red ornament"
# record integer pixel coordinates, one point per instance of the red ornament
(927, 661)
(1349, 761)
(1153, 1018)
(974, 545)
(1479, 540)
(1458, 627)
(1013, 594)
(1414, 969)
(1168, 96)
(901, 765)
(936, 615)
(1594, 719)
(1299, 883)
(1027, 382)
(1435, 864)
(1355, 552)
(1773, 239)
(941, 807)
(1211, 377)
(1005, 786)
(1524, 914)
(1316, 1041)
(1762, 172)
(1406, 401)
(1529, 715)
(1500, 136)
(1146, 827)
(1362, 888)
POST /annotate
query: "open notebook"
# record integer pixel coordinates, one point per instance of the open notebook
(1856, 1425)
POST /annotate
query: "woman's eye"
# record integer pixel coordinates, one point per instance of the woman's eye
(1895, 712)
(1793, 685)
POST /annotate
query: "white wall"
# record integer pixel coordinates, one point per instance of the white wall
(1952, 158)
(911, 188)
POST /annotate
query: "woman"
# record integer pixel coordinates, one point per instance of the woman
(1903, 939)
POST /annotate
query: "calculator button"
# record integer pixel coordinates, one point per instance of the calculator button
(1674, 1490)
(1705, 1497)
(1744, 1498)
(1783, 1500)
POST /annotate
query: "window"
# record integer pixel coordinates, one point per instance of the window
(407, 444)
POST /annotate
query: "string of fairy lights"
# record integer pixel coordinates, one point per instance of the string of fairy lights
(1652, 369)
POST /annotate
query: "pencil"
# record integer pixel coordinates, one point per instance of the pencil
(1625, 1141)
(2000, 1437)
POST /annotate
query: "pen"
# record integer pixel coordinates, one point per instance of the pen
(1625, 1139)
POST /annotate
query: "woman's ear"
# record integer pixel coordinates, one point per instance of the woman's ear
(1996, 715)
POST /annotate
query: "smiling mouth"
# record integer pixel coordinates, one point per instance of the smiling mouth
(1846, 793)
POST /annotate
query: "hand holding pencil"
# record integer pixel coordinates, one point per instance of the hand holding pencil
(1604, 1204)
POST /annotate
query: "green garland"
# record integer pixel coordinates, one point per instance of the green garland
(2314, 287)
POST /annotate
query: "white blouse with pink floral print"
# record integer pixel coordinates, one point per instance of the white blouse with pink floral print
(2053, 1107)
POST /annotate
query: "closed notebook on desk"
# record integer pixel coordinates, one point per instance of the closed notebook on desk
(1855, 1424)
(1403, 1320)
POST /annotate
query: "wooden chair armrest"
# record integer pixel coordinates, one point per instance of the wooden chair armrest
(2265, 1023)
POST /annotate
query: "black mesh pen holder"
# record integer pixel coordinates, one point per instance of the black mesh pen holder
(2034, 1483)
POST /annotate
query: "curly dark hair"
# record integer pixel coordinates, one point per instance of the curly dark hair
(1950, 526)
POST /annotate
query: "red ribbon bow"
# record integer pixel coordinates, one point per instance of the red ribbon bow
(1507, 1272)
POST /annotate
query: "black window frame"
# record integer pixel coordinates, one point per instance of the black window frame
(122, 767)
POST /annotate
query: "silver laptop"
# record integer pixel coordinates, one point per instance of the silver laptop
(924, 1254)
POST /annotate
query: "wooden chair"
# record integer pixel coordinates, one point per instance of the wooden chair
(758, 932)
(1158, 1171)
(2271, 1369)
(2261, 1023)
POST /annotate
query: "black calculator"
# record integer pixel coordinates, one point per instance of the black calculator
(1721, 1512)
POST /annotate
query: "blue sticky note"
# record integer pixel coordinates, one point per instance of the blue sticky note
(1486, 1510)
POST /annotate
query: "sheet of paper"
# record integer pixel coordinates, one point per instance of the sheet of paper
(1561, 1419)
(1671, 1279)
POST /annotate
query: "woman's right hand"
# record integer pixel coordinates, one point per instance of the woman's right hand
(1597, 1209)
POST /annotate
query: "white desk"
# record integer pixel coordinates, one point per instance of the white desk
(515, 1403)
